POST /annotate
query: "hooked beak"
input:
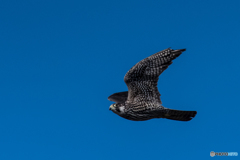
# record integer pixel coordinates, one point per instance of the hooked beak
(111, 107)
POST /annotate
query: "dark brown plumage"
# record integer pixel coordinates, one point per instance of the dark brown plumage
(142, 100)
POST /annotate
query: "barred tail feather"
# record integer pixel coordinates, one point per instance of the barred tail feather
(180, 115)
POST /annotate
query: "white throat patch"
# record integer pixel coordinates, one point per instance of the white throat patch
(122, 108)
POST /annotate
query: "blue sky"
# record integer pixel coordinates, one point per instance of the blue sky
(60, 60)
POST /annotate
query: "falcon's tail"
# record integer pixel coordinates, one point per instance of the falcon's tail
(180, 115)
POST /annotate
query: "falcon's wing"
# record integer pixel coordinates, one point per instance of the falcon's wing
(142, 78)
(119, 97)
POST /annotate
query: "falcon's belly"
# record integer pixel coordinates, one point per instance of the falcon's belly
(144, 114)
(139, 116)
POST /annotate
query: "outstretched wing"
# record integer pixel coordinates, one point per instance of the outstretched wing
(142, 78)
(119, 97)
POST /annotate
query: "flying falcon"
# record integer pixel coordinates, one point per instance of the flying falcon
(142, 100)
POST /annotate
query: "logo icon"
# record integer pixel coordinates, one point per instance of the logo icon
(212, 154)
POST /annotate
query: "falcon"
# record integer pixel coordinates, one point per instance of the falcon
(142, 100)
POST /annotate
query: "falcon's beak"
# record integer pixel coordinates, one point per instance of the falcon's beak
(111, 107)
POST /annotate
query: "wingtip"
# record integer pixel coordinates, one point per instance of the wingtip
(181, 50)
(178, 50)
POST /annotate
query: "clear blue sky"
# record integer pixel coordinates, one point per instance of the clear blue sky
(60, 60)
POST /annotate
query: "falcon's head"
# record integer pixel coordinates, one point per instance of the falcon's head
(117, 108)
